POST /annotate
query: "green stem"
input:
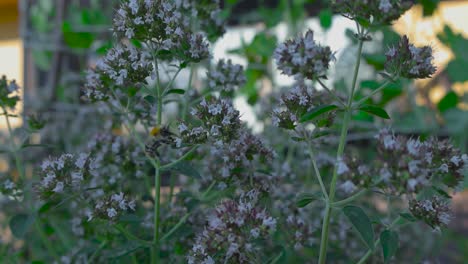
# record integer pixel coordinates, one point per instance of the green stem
(317, 173)
(157, 204)
(172, 164)
(98, 250)
(349, 199)
(373, 92)
(331, 93)
(14, 148)
(45, 240)
(130, 236)
(339, 155)
(173, 229)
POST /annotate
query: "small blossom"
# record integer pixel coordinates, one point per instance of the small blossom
(303, 57)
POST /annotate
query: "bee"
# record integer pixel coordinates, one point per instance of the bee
(161, 135)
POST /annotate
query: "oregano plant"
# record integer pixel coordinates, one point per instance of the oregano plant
(176, 176)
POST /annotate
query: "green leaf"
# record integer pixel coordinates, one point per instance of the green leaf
(408, 217)
(297, 139)
(80, 40)
(429, 6)
(361, 223)
(375, 60)
(176, 91)
(374, 110)
(20, 224)
(389, 242)
(450, 100)
(304, 199)
(326, 17)
(187, 169)
(316, 112)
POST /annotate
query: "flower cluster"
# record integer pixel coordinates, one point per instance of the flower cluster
(112, 207)
(377, 12)
(220, 121)
(408, 61)
(296, 102)
(233, 229)
(116, 158)
(353, 173)
(226, 76)
(238, 161)
(123, 66)
(405, 165)
(8, 93)
(411, 164)
(302, 57)
(65, 173)
(165, 24)
(10, 188)
(434, 211)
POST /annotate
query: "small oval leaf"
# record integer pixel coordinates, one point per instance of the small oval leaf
(374, 110)
(304, 199)
(361, 223)
(20, 224)
(316, 112)
(389, 242)
(176, 91)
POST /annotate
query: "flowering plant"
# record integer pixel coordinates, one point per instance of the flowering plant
(198, 185)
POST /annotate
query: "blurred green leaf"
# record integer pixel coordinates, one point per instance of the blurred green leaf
(429, 6)
(20, 224)
(389, 242)
(304, 199)
(317, 112)
(377, 111)
(79, 40)
(361, 223)
(187, 169)
(376, 60)
(326, 18)
(450, 100)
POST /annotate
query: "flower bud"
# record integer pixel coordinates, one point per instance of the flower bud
(408, 61)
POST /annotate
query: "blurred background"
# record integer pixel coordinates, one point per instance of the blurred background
(46, 45)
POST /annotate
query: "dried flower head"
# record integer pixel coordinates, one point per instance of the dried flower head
(409, 164)
(434, 211)
(64, 174)
(219, 121)
(166, 25)
(302, 57)
(408, 61)
(375, 12)
(232, 231)
(112, 207)
(123, 66)
(298, 101)
(226, 76)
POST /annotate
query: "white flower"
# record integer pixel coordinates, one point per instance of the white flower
(342, 167)
(385, 6)
(8, 185)
(269, 222)
(81, 160)
(255, 232)
(348, 186)
(58, 187)
(111, 212)
(413, 146)
(131, 205)
(455, 160)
